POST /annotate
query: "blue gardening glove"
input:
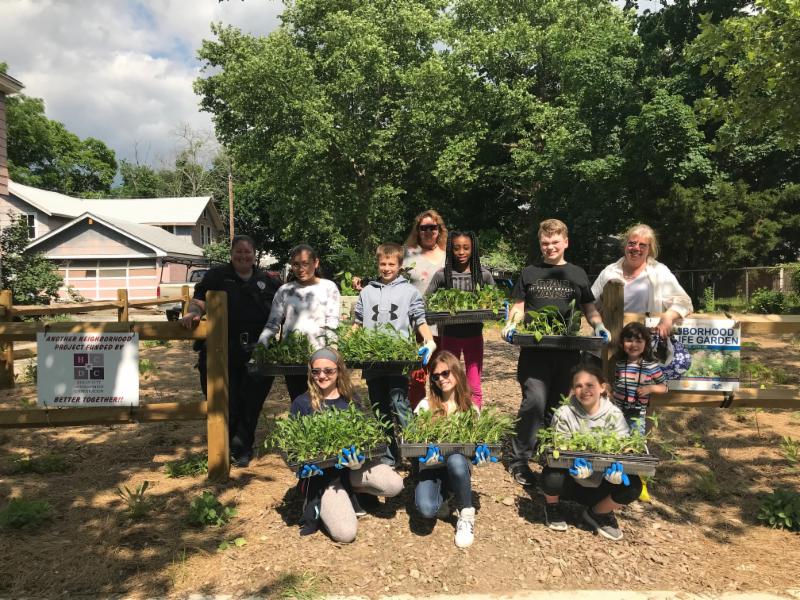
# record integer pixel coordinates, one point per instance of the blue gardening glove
(601, 331)
(581, 468)
(616, 474)
(307, 471)
(433, 458)
(508, 331)
(350, 458)
(426, 351)
(483, 456)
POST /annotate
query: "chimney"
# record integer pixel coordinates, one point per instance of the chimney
(8, 85)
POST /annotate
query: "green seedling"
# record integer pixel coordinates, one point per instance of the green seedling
(325, 433)
(207, 510)
(137, 506)
(669, 449)
(298, 586)
(146, 367)
(696, 439)
(755, 418)
(740, 414)
(487, 427)
(781, 509)
(548, 320)
(602, 440)
(790, 449)
(292, 349)
(21, 513)
(191, 466)
(383, 344)
(452, 301)
(238, 542)
(706, 486)
(41, 465)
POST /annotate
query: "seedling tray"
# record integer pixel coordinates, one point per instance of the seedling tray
(389, 366)
(461, 317)
(325, 462)
(634, 464)
(413, 450)
(559, 342)
(270, 369)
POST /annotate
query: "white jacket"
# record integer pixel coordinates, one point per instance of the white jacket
(665, 291)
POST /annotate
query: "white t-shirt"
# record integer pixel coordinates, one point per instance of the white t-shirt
(637, 294)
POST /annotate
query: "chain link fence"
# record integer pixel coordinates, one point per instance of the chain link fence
(739, 283)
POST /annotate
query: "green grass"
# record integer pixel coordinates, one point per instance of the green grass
(155, 343)
(21, 513)
(706, 485)
(137, 506)
(41, 465)
(298, 586)
(191, 466)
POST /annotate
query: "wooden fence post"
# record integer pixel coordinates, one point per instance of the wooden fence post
(185, 299)
(6, 348)
(219, 460)
(122, 311)
(613, 317)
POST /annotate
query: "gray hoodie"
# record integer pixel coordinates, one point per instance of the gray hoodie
(572, 417)
(397, 303)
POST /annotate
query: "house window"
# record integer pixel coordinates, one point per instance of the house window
(31, 221)
(208, 235)
(202, 235)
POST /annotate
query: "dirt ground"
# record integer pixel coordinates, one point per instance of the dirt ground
(700, 533)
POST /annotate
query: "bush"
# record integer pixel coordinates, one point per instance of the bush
(781, 509)
(768, 302)
(21, 513)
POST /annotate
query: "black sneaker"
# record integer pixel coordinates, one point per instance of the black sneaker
(523, 475)
(242, 460)
(604, 524)
(554, 517)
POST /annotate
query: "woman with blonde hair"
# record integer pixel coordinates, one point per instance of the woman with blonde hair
(330, 494)
(649, 285)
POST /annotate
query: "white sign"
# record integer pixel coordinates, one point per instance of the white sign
(715, 348)
(88, 369)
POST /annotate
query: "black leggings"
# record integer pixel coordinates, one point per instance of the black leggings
(558, 482)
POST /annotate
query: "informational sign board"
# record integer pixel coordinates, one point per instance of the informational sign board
(88, 369)
(715, 348)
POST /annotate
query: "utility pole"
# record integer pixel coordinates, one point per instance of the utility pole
(230, 200)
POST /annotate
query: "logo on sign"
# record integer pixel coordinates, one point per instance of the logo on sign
(88, 366)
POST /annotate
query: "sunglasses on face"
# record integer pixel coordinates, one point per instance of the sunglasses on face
(327, 370)
(429, 228)
(435, 377)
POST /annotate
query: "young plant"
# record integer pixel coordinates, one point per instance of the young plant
(191, 466)
(41, 465)
(790, 449)
(781, 509)
(238, 542)
(138, 506)
(292, 349)
(600, 440)
(323, 434)
(21, 513)
(548, 320)
(487, 427)
(488, 297)
(705, 484)
(207, 510)
(383, 344)
(146, 367)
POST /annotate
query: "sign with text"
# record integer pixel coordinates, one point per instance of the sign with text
(88, 369)
(715, 348)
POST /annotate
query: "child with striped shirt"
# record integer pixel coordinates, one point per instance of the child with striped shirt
(638, 375)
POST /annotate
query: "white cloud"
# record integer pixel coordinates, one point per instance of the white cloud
(120, 70)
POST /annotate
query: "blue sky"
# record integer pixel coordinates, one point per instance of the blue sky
(122, 70)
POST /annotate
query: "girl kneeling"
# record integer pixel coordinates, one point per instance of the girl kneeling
(330, 495)
(600, 492)
(441, 477)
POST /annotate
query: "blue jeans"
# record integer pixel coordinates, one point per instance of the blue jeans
(454, 478)
(388, 395)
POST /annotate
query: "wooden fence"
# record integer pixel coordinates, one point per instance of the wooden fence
(214, 329)
(615, 319)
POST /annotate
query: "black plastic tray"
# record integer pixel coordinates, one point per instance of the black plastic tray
(390, 366)
(635, 464)
(462, 317)
(414, 450)
(325, 462)
(559, 342)
(269, 369)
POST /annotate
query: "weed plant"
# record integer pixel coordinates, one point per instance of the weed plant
(781, 509)
(21, 513)
(706, 486)
(191, 466)
(468, 427)
(207, 510)
(790, 449)
(41, 465)
(488, 297)
(238, 542)
(323, 434)
(137, 506)
(292, 349)
(383, 344)
(549, 321)
(31, 372)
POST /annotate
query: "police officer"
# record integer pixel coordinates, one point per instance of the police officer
(250, 292)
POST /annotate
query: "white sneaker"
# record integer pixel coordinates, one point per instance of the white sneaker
(465, 528)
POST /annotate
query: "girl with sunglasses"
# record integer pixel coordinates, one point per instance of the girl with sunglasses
(330, 494)
(439, 477)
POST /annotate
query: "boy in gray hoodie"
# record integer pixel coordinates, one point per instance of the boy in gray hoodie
(601, 492)
(393, 301)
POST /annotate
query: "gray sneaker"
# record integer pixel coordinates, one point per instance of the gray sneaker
(554, 517)
(604, 524)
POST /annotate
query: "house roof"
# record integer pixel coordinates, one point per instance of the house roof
(152, 211)
(9, 85)
(161, 242)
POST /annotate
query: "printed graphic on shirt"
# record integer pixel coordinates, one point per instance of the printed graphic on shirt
(392, 312)
(560, 289)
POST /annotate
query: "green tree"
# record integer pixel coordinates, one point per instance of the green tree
(31, 278)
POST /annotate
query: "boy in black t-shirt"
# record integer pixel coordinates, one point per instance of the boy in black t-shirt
(544, 375)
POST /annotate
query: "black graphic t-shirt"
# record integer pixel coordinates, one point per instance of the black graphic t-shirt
(556, 285)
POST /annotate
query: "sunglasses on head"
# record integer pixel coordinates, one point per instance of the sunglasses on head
(429, 228)
(441, 374)
(327, 370)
